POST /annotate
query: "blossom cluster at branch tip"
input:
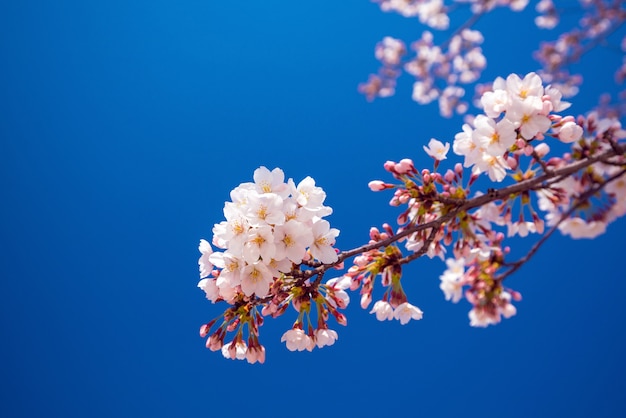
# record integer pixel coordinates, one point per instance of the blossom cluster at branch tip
(271, 226)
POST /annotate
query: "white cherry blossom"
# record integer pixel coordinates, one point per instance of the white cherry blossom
(324, 337)
(405, 312)
(210, 289)
(259, 243)
(296, 340)
(323, 241)
(291, 240)
(271, 181)
(383, 311)
(437, 149)
(204, 262)
(256, 278)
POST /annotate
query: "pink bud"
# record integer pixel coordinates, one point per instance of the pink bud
(366, 299)
(377, 185)
(512, 162)
(390, 166)
(449, 176)
(570, 132)
(204, 330)
(405, 166)
(458, 168)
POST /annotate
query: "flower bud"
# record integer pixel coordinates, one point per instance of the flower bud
(377, 185)
(570, 132)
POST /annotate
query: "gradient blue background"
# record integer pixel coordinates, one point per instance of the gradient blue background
(123, 127)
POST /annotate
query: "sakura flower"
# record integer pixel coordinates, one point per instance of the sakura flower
(265, 209)
(437, 149)
(337, 296)
(323, 241)
(530, 86)
(291, 240)
(231, 233)
(405, 312)
(256, 278)
(325, 337)
(276, 267)
(210, 289)
(296, 340)
(231, 268)
(525, 115)
(494, 137)
(342, 283)
(260, 243)
(482, 318)
(204, 263)
(579, 228)
(451, 279)
(271, 181)
(467, 145)
(311, 197)
(494, 166)
(555, 96)
(495, 102)
(383, 311)
(521, 228)
(236, 351)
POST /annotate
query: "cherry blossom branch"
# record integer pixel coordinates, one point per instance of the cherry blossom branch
(278, 248)
(494, 195)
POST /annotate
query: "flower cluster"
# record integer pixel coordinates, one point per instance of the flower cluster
(600, 19)
(569, 194)
(517, 111)
(277, 247)
(438, 71)
(270, 225)
(520, 113)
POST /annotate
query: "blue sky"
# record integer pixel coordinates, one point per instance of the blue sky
(123, 127)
